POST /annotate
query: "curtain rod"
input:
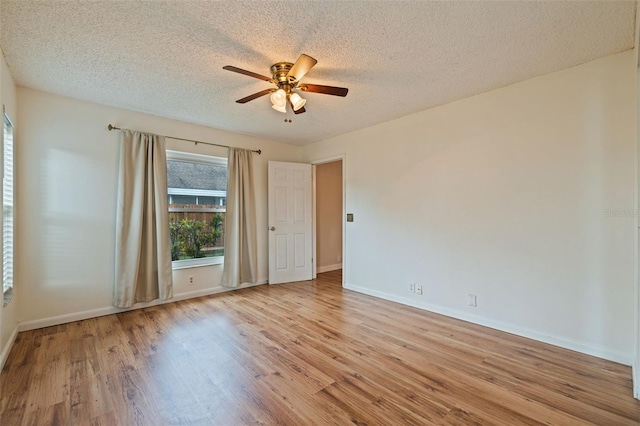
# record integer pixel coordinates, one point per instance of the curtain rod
(259, 151)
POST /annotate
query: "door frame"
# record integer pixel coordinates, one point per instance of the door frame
(635, 367)
(314, 163)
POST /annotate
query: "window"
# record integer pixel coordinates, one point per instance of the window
(7, 210)
(197, 189)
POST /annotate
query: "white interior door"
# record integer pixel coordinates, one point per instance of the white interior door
(290, 222)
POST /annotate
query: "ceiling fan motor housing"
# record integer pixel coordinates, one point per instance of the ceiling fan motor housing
(279, 70)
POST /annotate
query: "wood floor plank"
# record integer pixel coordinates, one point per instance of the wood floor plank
(89, 396)
(302, 353)
(50, 384)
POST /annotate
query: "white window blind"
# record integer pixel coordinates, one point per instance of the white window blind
(7, 209)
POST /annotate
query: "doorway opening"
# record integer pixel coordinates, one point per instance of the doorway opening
(329, 214)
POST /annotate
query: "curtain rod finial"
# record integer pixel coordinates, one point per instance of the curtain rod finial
(110, 127)
(259, 151)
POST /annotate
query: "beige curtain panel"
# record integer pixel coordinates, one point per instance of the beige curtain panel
(143, 252)
(240, 238)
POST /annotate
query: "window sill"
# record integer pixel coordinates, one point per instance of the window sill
(196, 263)
(8, 295)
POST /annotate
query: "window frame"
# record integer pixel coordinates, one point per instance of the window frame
(203, 159)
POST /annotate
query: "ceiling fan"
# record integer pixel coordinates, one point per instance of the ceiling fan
(286, 78)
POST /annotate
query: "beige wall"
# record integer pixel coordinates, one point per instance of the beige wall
(67, 173)
(524, 196)
(9, 313)
(329, 216)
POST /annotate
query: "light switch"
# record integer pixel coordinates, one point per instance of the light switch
(349, 217)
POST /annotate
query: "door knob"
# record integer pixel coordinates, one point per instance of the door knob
(273, 228)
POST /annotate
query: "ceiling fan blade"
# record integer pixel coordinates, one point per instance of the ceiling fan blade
(301, 67)
(245, 72)
(327, 90)
(254, 96)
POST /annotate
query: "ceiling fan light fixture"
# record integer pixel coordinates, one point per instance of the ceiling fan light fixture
(282, 109)
(286, 76)
(279, 99)
(297, 101)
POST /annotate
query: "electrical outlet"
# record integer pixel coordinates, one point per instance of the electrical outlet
(339, 257)
(418, 288)
(472, 300)
(412, 287)
(190, 280)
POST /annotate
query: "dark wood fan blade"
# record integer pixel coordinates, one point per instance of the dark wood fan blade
(254, 96)
(301, 67)
(245, 72)
(327, 90)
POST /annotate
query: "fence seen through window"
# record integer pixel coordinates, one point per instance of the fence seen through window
(197, 189)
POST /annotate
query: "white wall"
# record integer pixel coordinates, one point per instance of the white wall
(67, 174)
(9, 313)
(504, 195)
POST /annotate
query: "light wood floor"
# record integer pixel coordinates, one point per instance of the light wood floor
(301, 354)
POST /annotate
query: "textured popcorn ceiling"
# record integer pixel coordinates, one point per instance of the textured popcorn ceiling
(396, 58)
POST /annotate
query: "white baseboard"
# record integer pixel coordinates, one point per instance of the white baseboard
(108, 310)
(7, 348)
(501, 326)
(327, 268)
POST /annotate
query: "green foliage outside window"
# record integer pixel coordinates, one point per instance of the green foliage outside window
(191, 238)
